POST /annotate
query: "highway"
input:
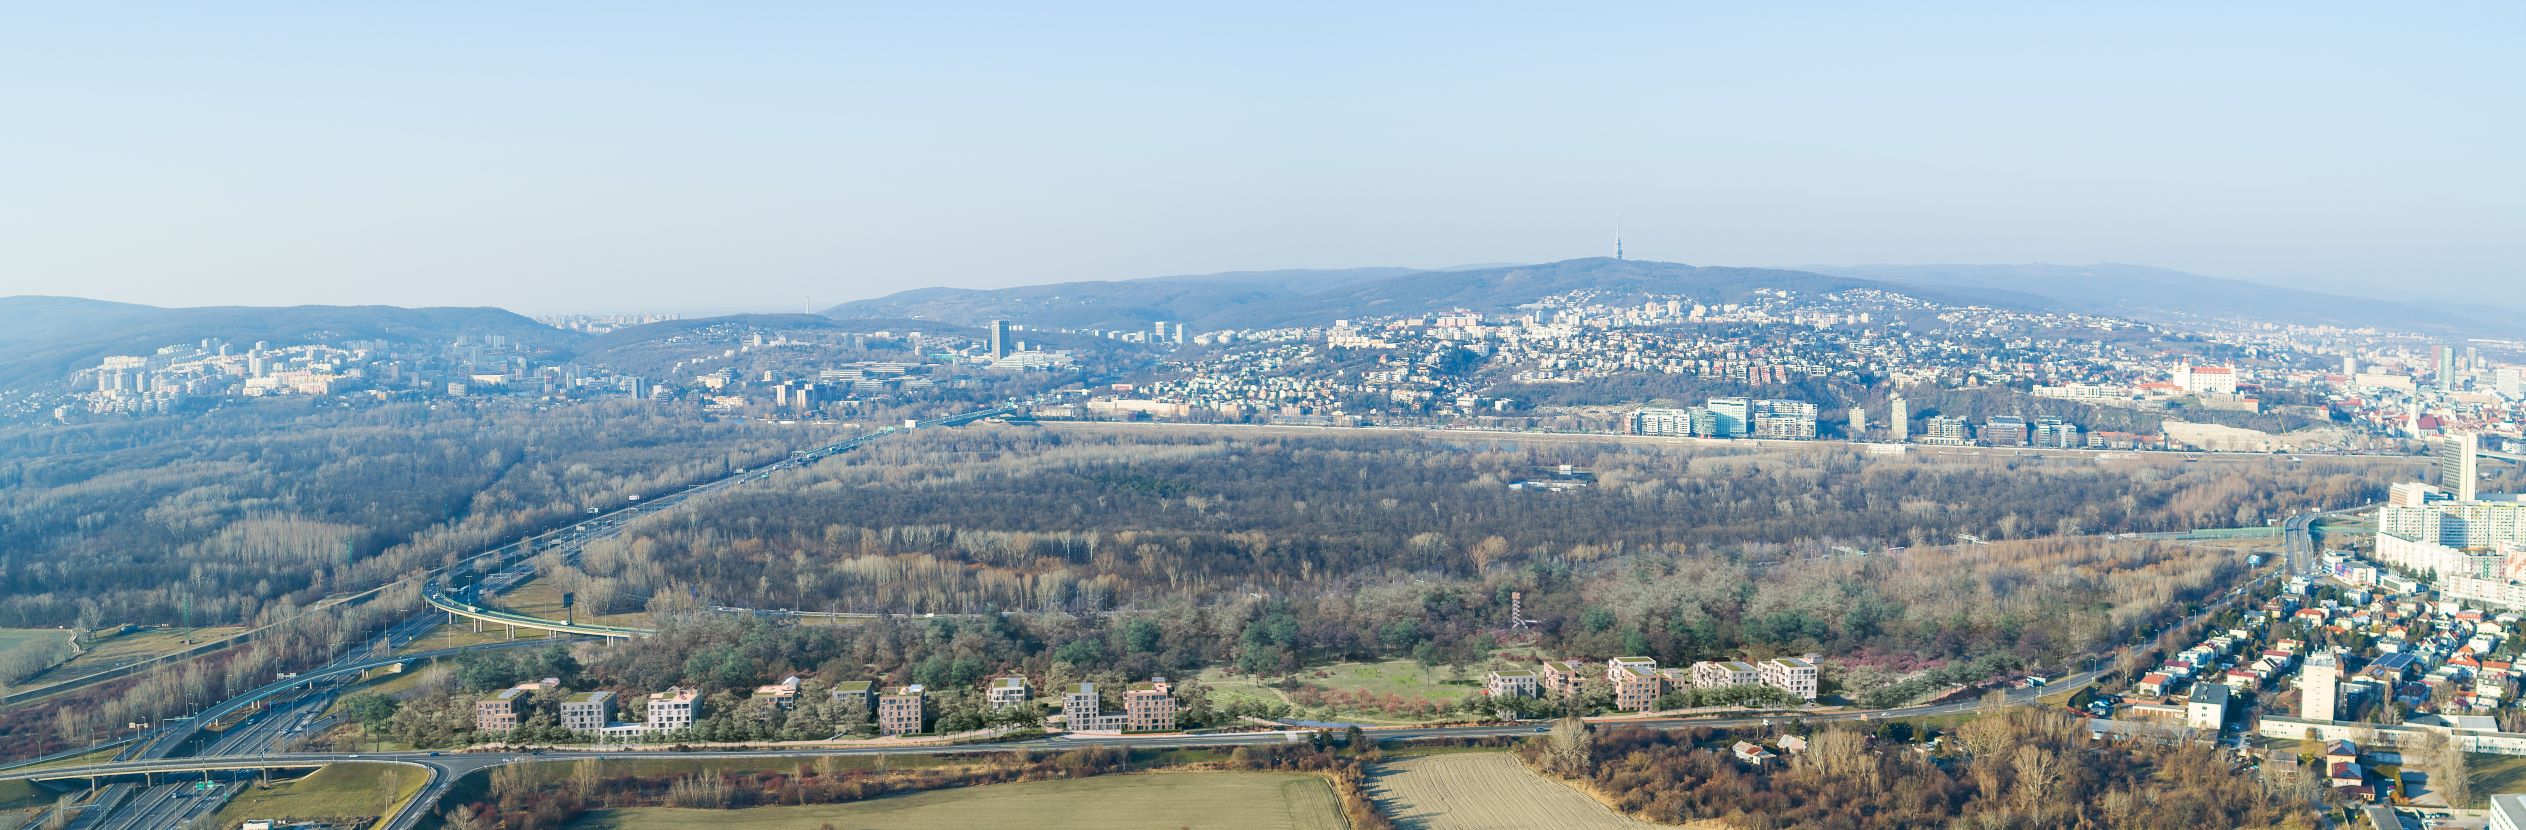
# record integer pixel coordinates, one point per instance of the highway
(290, 704)
(255, 744)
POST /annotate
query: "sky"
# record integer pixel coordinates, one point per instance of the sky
(614, 157)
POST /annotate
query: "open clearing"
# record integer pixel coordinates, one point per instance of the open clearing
(338, 792)
(1156, 801)
(1486, 791)
(1403, 679)
(542, 598)
(32, 642)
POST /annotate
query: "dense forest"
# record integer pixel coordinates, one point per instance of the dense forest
(1085, 519)
(211, 519)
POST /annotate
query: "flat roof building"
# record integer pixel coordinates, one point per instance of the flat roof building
(1789, 674)
(858, 699)
(1149, 707)
(587, 712)
(1510, 683)
(499, 712)
(1008, 692)
(905, 712)
(674, 709)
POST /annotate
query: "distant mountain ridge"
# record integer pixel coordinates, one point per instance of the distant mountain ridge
(1261, 299)
(1264, 299)
(2143, 292)
(45, 338)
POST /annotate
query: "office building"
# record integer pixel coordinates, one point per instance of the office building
(1898, 420)
(2056, 434)
(2005, 431)
(1000, 344)
(587, 712)
(1948, 431)
(1661, 421)
(1736, 416)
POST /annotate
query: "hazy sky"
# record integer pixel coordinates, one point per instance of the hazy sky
(689, 156)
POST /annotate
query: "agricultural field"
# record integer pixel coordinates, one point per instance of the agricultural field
(1485, 791)
(340, 792)
(1155, 801)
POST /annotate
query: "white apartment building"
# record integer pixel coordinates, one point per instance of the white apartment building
(674, 709)
(1710, 674)
(1789, 674)
(1512, 683)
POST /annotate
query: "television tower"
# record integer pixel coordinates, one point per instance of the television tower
(1618, 237)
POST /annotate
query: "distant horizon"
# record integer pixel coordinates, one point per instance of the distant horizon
(797, 156)
(820, 307)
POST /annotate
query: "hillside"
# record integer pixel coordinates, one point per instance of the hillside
(43, 338)
(1110, 304)
(1277, 298)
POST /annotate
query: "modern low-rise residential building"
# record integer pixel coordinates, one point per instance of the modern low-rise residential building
(1712, 674)
(587, 712)
(905, 712)
(1149, 707)
(1636, 683)
(2207, 709)
(783, 694)
(1789, 674)
(1008, 692)
(1507, 683)
(674, 709)
(858, 699)
(500, 711)
(1560, 678)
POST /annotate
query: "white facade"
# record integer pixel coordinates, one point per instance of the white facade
(1789, 674)
(2320, 686)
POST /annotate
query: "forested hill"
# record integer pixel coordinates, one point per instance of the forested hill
(1112, 304)
(1258, 299)
(44, 338)
(1263, 299)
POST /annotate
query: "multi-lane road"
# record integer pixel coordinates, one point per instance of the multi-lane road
(257, 743)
